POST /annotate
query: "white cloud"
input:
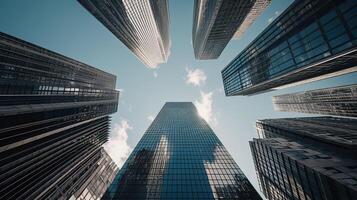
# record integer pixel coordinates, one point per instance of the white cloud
(117, 145)
(155, 74)
(195, 77)
(271, 19)
(151, 118)
(204, 107)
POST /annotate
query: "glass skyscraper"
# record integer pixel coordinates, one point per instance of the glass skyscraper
(257, 8)
(215, 22)
(180, 157)
(341, 101)
(142, 25)
(94, 186)
(307, 158)
(310, 40)
(53, 120)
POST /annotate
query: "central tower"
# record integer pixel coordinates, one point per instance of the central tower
(180, 157)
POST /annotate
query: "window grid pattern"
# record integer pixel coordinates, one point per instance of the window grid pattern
(283, 53)
(31, 75)
(180, 157)
(288, 170)
(258, 7)
(340, 101)
(54, 118)
(142, 25)
(100, 179)
(216, 22)
(55, 165)
(333, 130)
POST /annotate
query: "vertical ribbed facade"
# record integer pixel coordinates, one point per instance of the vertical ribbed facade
(311, 40)
(180, 157)
(307, 158)
(142, 25)
(257, 9)
(95, 185)
(341, 101)
(54, 118)
(215, 22)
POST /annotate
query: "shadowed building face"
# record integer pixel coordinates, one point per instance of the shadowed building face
(215, 22)
(306, 158)
(53, 120)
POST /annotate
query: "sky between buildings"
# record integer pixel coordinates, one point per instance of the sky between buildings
(67, 28)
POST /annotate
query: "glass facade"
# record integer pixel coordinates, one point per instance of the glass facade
(334, 135)
(340, 101)
(142, 25)
(258, 7)
(215, 22)
(54, 118)
(307, 158)
(95, 186)
(309, 41)
(180, 157)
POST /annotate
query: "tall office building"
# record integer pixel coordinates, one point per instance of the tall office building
(180, 157)
(340, 101)
(54, 118)
(258, 7)
(215, 22)
(309, 41)
(95, 186)
(142, 25)
(307, 158)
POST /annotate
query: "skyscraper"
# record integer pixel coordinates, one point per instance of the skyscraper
(258, 7)
(215, 22)
(142, 25)
(180, 157)
(340, 101)
(54, 118)
(307, 158)
(95, 186)
(310, 40)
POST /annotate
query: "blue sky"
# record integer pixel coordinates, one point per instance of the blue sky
(67, 28)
